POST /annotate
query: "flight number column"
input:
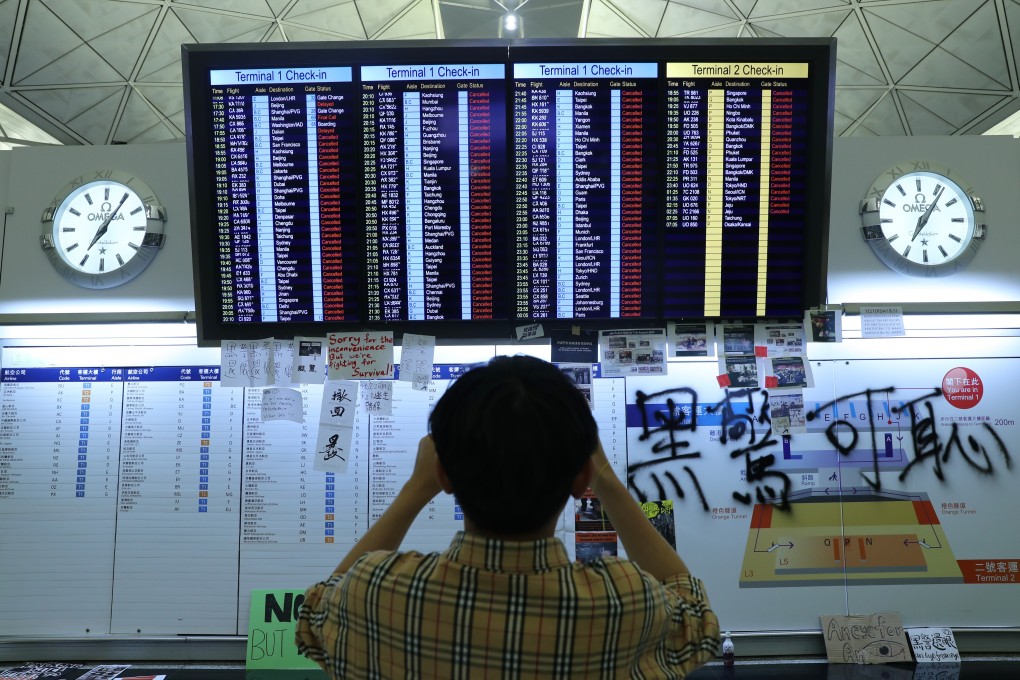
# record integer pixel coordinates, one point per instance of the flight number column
(382, 125)
(237, 218)
(534, 208)
(686, 190)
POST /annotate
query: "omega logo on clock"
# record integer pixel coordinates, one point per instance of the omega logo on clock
(921, 221)
(103, 229)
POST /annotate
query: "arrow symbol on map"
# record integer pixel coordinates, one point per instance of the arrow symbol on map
(920, 542)
(781, 545)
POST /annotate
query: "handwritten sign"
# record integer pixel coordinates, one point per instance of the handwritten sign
(933, 645)
(246, 363)
(336, 425)
(272, 620)
(283, 362)
(868, 638)
(416, 357)
(360, 356)
(378, 397)
(530, 332)
(282, 403)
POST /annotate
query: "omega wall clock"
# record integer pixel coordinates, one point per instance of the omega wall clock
(103, 229)
(921, 220)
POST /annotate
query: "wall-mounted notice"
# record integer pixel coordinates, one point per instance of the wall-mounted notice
(417, 353)
(336, 425)
(882, 322)
(281, 403)
(360, 355)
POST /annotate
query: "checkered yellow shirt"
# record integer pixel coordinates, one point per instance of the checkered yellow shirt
(496, 609)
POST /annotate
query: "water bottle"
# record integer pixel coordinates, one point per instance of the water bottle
(727, 651)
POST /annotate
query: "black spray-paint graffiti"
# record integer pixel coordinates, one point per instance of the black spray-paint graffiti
(749, 429)
(925, 439)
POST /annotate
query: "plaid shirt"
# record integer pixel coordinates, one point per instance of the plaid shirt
(495, 609)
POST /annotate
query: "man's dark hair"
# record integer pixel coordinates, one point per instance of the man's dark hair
(512, 435)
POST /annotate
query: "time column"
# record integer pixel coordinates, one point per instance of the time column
(370, 150)
(222, 201)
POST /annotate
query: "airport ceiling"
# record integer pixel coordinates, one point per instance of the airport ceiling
(108, 71)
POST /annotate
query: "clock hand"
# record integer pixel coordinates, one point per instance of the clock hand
(105, 226)
(923, 219)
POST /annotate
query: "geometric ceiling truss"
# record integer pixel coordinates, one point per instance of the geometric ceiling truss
(101, 72)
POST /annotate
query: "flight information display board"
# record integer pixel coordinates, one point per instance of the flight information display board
(285, 197)
(736, 189)
(433, 141)
(585, 187)
(458, 188)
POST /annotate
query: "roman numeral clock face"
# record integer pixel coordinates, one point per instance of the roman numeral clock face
(104, 232)
(922, 223)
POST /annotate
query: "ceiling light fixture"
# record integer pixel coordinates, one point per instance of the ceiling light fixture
(511, 24)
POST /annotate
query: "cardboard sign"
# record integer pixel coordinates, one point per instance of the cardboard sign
(272, 621)
(867, 638)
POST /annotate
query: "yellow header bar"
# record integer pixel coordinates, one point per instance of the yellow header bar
(737, 70)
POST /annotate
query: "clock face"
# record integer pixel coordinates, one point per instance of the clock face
(103, 232)
(99, 227)
(922, 223)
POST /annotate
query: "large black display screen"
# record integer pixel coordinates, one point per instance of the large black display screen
(464, 188)
(737, 163)
(284, 196)
(585, 187)
(435, 214)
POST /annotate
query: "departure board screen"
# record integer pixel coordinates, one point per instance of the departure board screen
(457, 188)
(585, 189)
(435, 206)
(285, 198)
(736, 175)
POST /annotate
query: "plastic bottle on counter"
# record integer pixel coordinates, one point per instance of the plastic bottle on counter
(727, 651)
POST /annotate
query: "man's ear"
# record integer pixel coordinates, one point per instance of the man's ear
(583, 479)
(444, 481)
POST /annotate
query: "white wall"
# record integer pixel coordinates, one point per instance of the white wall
(991, 165)
(28, 283)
